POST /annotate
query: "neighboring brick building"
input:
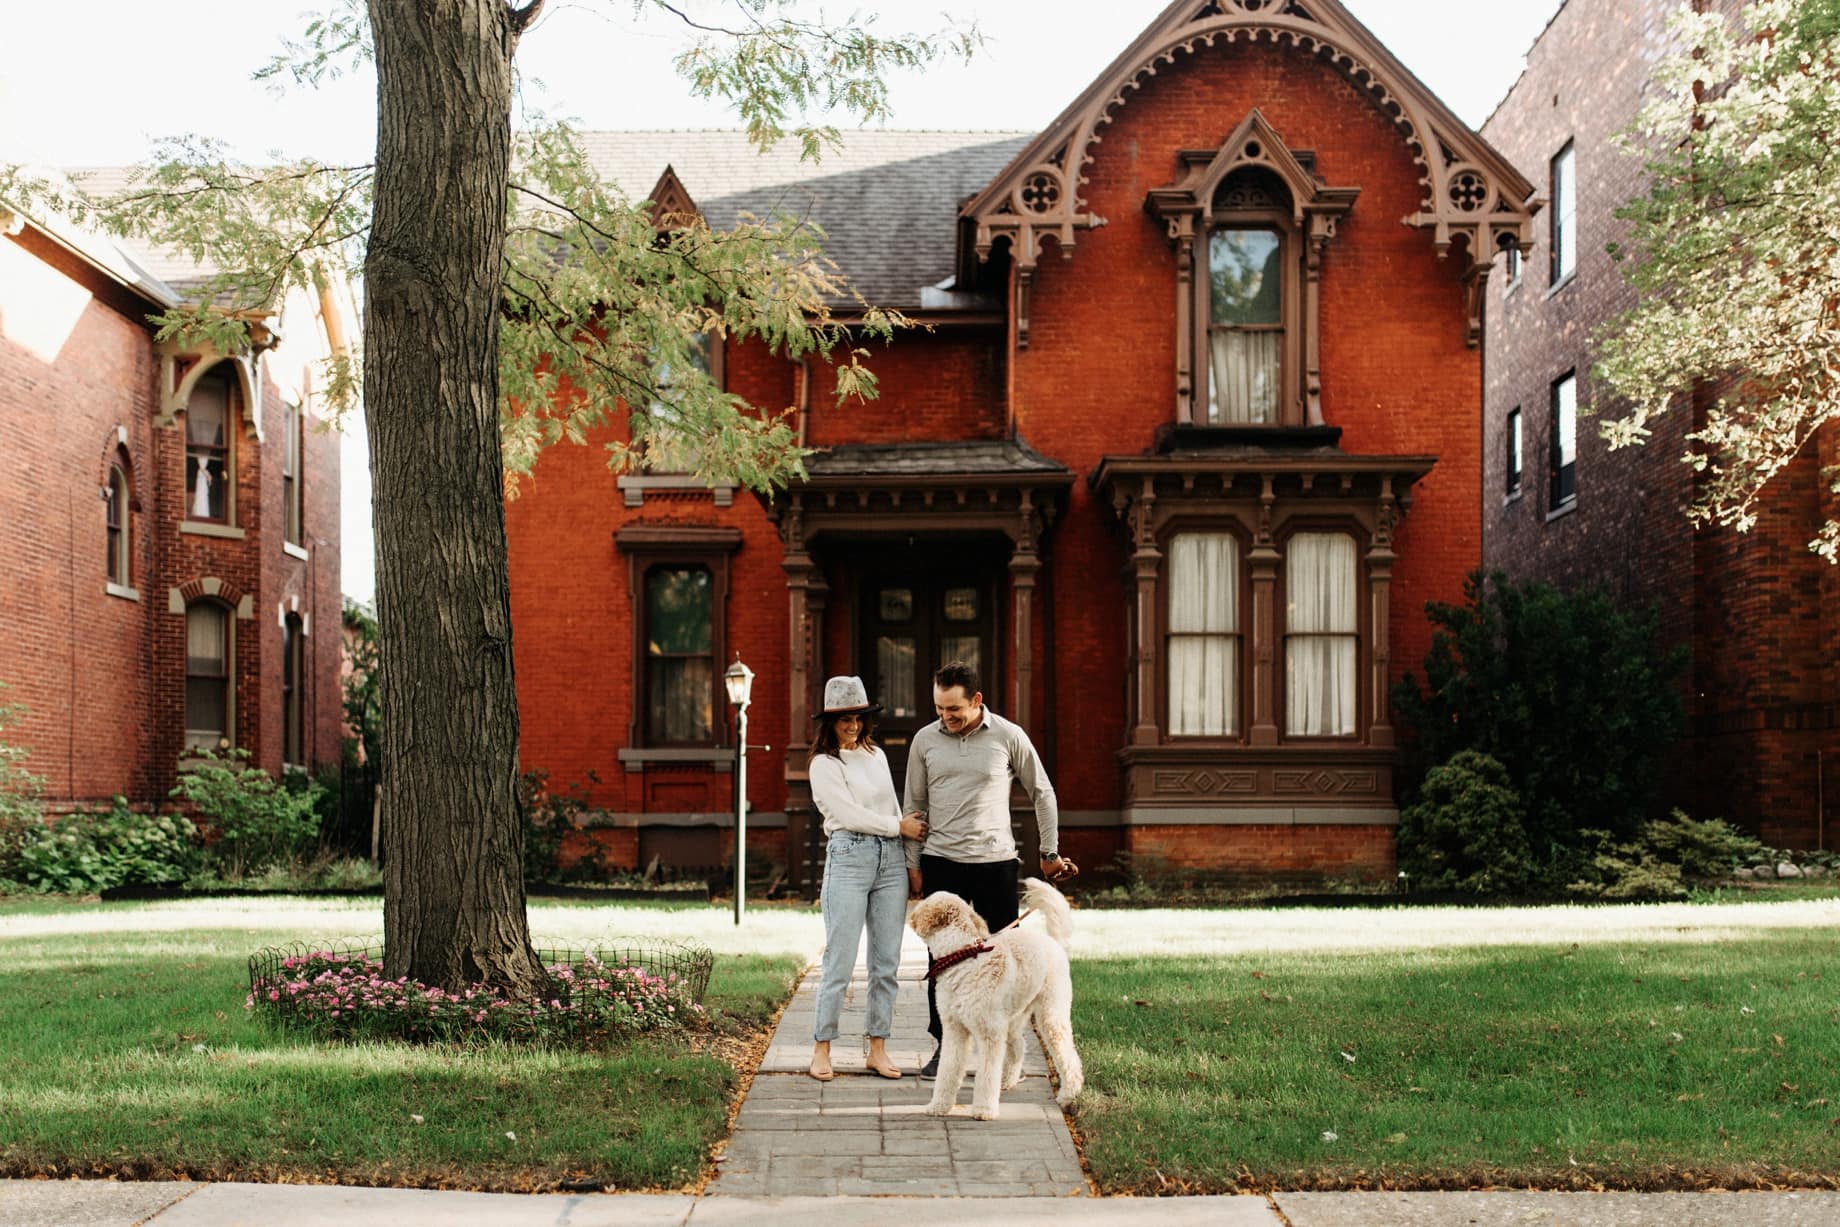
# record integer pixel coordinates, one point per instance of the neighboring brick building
(1192, 353)
(169, 533)
(1757, 610)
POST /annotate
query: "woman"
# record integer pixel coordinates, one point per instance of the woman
(865, 869)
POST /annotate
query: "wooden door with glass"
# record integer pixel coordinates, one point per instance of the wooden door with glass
(910, 623)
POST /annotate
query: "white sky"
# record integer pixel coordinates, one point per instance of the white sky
(89, 82)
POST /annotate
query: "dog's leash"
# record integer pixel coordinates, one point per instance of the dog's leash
(945, 962)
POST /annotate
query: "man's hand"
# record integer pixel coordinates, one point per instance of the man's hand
(1058, 869)
(913, 883)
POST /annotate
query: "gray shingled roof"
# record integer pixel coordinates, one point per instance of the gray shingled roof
(174, 268)
(992, 458)
(888, 201)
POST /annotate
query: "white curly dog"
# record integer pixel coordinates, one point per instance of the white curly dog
(989, 989)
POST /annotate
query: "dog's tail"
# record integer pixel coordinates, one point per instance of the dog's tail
(1052, 905)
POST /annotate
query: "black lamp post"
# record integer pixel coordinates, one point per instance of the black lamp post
(739, 679)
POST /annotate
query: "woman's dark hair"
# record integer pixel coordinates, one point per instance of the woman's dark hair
(826, 741)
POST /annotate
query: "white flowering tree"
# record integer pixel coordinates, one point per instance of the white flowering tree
(1736, 251)
(511, 301)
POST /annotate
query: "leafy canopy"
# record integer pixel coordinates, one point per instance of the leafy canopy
(604, 315)
(1738, 246)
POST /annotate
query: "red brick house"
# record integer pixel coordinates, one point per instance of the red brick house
(169, 533)
(1757, 611)
(1186, 445)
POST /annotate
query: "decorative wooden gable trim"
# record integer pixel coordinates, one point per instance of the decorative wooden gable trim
(182, 365)
(1472, 198)
(671, 204)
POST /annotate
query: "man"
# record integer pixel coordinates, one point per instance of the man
(959, 770)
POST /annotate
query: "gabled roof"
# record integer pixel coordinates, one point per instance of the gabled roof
(1471, 193)
(887, 201)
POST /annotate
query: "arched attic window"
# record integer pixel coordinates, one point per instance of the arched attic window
(1249, 221)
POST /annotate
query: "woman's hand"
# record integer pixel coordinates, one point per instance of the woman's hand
(913, 826)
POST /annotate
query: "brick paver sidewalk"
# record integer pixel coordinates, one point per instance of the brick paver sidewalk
(863, 1134)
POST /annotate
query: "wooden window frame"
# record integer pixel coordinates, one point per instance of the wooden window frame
(227, 450)
(1243, 638)
(293, 691)
(1562, 479)
(1289, 410)
(293, 456)
(118, 518)
(1562, 229)
(227, 735)
(1362, 633)
(652, 547)
(1515, 463)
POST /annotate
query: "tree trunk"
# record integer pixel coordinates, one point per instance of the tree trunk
(453, 904)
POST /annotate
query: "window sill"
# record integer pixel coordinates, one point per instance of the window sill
(204, 528)
(125, 593)
(294, 551)
(1559, 285)
(716, 757)
(1563, 509)
(1508, 500)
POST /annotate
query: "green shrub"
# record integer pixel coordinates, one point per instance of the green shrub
(1467, 830)
(1706, 851)
(1573, 696)
(1670, 853)
(254, 822)
(20, 814)
(546, 815)
(83, 853)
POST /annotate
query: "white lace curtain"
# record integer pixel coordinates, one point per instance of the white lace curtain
(1243, 383)
(1203, 635)
(1319, 645)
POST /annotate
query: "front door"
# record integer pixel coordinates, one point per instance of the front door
(912, 620)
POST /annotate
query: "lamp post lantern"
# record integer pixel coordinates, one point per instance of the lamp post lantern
(739, 679)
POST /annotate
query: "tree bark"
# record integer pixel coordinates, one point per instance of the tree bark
(454, 905)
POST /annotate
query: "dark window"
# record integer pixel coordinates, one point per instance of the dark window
(293, 673)
(209, 456)
(679, 656)
(290, 474)
(115, 496)
(1513, 269)
(1513, 482)
(208, 689)
(1564, 441)
(1564, 211)
(1245, 325)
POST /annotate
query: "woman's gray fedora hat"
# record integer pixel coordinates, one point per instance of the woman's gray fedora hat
(847, 696)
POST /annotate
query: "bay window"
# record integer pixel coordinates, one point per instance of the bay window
(1203, 640)
(1320, 639)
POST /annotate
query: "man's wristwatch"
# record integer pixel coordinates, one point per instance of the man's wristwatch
(1050, 856)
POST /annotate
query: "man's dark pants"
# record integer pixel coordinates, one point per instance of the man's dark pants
(989, 888)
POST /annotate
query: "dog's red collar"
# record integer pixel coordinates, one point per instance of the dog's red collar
(946, 962)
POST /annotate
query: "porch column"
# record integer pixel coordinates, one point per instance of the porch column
(1024, 568)
(1262, 562)
(1379, 603)
(1146, 561)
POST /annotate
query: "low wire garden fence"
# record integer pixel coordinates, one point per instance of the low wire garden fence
(338, 990)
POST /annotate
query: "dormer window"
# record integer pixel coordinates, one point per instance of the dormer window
(1249, 221)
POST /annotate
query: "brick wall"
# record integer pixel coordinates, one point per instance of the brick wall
(1299, 855)
(104, 675)
(1757, 609)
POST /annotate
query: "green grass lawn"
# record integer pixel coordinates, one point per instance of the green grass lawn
(1648, 1064)
(126, 1050)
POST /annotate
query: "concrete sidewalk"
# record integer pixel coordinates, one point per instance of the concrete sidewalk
(864, 1134)
(89, 1203)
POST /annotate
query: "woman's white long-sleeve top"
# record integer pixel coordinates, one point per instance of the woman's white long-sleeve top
(855, 792)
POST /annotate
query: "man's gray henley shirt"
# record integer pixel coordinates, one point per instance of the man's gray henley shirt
(961, 781)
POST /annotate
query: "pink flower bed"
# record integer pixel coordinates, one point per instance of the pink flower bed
(344, 995)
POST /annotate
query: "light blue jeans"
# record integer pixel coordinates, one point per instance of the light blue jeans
(865, 879)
